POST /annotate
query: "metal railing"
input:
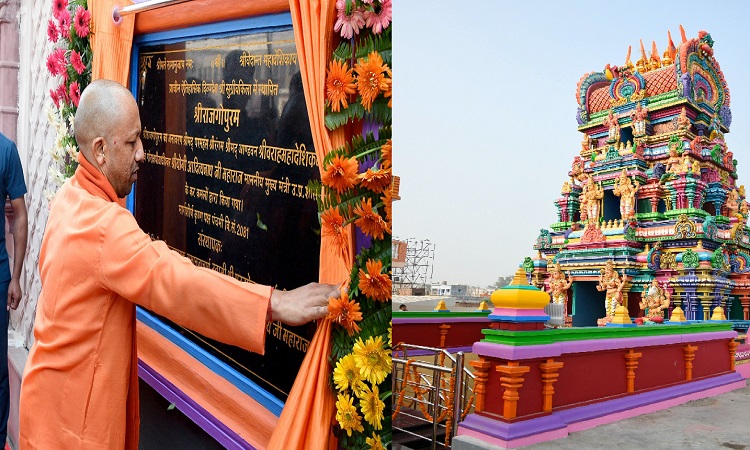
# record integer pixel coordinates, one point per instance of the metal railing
(442, 391)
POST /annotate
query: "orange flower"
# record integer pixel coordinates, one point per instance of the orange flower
(388, 91)
(376, 180)
(371, 78)
(333, 226)
(387, 200)
(370, 221)
(386, 157)
(375, 284)
(341, 174)
(345, 313)
(339, 84)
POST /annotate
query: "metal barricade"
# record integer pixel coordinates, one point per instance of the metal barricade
(438, 393)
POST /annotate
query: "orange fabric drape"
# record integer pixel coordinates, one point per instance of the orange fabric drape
(110, 43)
(305, 421)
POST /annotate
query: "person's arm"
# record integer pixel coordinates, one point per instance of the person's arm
(20, 231)
(147, 273)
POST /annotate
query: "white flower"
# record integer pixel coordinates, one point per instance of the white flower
(57, 177)
(72, 150)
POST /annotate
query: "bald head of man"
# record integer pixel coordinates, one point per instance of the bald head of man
(108, 132)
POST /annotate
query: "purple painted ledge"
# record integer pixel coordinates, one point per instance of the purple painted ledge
(560, 423)
(210, 424)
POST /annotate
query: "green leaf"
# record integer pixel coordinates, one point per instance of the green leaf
(170, 407)
(260, 223)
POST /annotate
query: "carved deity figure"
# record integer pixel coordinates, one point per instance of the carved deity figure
(732, 203)
(558, 286)
(586, 142)
(654, 301)
(565, 188)
(614, 127)
(686, 165)
(576, 170)
(609, 281)
(682, 120)
(591, 195)
(626, 190)
(639, 116)
(674, 163)
(696, 168)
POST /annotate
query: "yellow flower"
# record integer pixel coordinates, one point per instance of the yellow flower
(346, 375)
(371, 78)
(390, 335)
(375, 442)
(372, 407)
(346, 414)
(339, 85)
(373, 361)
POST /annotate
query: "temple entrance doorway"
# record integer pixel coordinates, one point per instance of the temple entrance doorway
(588, 304)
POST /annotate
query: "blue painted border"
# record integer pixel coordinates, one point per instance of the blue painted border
(260, 24)
(247, 386)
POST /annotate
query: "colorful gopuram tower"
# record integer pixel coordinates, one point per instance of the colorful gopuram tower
(653, 190)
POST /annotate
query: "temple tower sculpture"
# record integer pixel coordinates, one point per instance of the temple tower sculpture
(653, 191)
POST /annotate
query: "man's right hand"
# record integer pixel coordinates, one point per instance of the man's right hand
(302, 305)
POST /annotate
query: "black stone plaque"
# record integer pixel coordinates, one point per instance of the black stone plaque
(229, 155)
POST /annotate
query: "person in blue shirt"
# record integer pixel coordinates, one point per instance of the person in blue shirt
(12, 186)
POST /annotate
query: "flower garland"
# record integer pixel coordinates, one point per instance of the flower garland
(356, 189)
(70, 61)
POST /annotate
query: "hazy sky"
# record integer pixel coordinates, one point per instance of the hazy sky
(484, 112)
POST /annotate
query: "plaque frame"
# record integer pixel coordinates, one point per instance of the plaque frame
(173, 391)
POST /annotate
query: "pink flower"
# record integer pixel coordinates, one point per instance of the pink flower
(75, 93)
(55, 98)
(348, 24)
(58, 6)
(62, 93)
(64, 20)
(51, 65)
(380, 21)
(52, 33)
(77, 62)
(82, 20)
(56, 62)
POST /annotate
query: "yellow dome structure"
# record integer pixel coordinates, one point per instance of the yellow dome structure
(519, 294)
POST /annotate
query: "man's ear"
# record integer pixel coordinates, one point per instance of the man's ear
(98, 147)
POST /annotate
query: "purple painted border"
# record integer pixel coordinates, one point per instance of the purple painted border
(403, 320)
(503, 351)
(567, 417)
(210, 424)
(417, 352)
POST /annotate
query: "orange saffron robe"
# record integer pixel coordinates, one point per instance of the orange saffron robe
(80, 384)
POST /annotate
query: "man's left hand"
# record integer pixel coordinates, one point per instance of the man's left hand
(14, 295)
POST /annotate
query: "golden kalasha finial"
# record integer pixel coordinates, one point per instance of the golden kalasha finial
(655, 61)
(677, 315)
(718, 314)
(441, 306)
(621, 316)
